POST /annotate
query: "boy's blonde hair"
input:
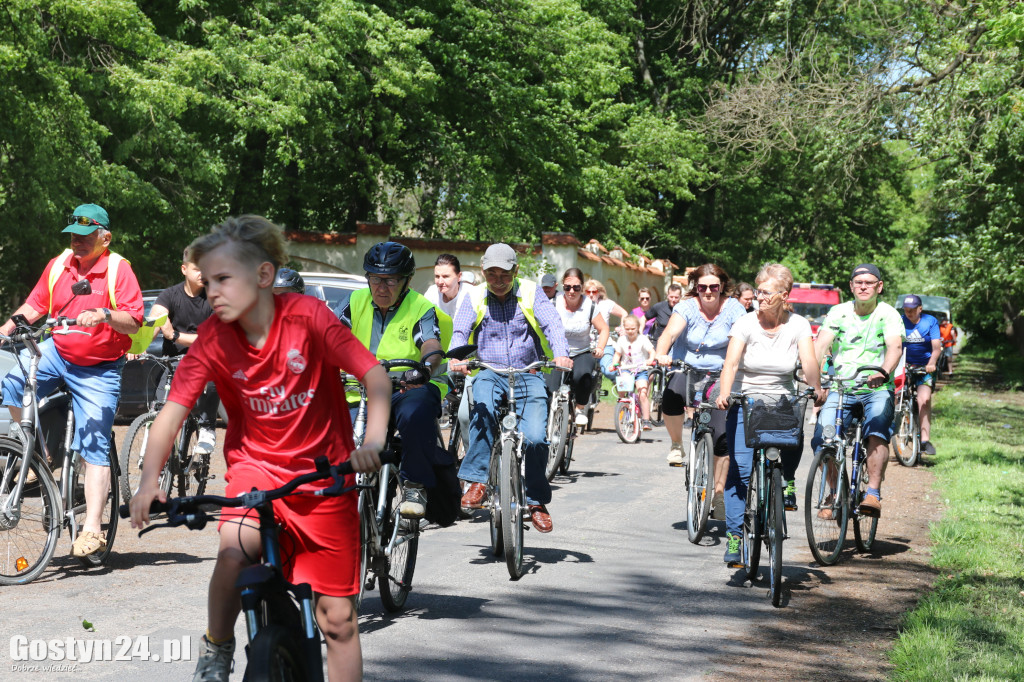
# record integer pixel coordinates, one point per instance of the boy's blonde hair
(256, 240)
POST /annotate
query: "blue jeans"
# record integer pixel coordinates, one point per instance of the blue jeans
(878, 414)
(532, 407)
(95, 391)
(741, 462)
(606, 361)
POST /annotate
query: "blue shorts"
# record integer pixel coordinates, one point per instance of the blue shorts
(925, 380)
(878, 414)
(95, 390)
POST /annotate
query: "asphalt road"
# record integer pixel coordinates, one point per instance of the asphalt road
(615, 592)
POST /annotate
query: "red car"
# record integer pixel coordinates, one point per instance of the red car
(813, 301)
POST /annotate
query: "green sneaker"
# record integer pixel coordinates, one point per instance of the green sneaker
(789, 499)
(732, 551)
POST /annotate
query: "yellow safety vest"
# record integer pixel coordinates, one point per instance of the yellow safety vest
(140, 339)
(397, 341)
(525, 297)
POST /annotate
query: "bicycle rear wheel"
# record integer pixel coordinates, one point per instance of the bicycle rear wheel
(776, 533)
(401, 561)
(28, 537)
(559, 430)
(626, 425)
(513, 504)
(367, 516)
(907, 441)
(751, 540)
(192, 467)
(456, 448)
(826, 507)
(656, 387)
(864, 526)
(493, 499)
(698, 497)
(108, 521)
(276, 655)
(132, 458)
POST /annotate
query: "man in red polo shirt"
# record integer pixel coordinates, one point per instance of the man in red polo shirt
(91, 365)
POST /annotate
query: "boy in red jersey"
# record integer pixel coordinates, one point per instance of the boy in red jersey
(275, 363)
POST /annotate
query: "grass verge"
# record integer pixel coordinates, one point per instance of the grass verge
(971, 626)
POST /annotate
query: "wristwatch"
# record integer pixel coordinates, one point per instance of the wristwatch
(106, 315)
(174, 336)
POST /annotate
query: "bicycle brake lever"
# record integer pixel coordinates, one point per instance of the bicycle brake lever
(153, 526)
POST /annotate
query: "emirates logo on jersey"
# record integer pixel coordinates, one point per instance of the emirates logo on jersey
(296, 362)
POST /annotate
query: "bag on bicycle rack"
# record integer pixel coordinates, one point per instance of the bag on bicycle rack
(773, 421)
(625, 382)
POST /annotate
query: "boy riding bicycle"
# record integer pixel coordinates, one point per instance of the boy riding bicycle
(275, 362)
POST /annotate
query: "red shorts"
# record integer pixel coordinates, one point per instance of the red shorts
(319, 535)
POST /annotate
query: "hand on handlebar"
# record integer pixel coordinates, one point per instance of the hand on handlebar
(563, 361)
(90, 318)
(366, 458)
(876, 380)
(665, 360)
(820, 394)
(141, 501)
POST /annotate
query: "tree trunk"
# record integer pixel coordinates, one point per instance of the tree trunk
(1014, 323)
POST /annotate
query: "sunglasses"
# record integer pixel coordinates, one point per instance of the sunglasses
(592, 291)
(713, 288)
(82, 220)
(764, 293)
(645, 299)
(572, 287)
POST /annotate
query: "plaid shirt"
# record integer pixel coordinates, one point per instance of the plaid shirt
(504, 337)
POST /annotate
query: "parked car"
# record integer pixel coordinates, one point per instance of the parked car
(813, 301)
(332, 288)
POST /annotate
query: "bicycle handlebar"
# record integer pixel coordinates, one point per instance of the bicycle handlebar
(539, 364)
(855, 378)
(23, 331)
(805, 394)
(187, 510)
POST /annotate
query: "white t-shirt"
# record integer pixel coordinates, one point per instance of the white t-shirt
(636, 354)
(448, 307)
(768, 360)
(577, 324)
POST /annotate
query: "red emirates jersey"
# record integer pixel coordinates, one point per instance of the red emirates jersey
(285, 402)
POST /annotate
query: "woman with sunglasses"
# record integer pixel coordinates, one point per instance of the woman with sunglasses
(596, 292)
(706, 314)
(579, 316)
(643, 297)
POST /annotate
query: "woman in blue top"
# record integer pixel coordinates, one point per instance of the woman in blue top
(705, 315)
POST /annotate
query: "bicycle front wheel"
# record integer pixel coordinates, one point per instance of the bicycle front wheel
(512, 507)
(656, 386)
(456, 448)
(108, 520)
(132, 458)
(776, 533)
(559, 429)
(276, 654)
(403, 537)
(29, 530)
(626, 425)
(698, 497)
(907, 441)
(826, 507)
(367, 516)
(751, 540)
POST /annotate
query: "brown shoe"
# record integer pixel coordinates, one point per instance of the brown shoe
(870, 506)
(474, 497)
(540, 518)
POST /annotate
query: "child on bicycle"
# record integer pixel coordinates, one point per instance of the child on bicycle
(275, 363)
(635, 351)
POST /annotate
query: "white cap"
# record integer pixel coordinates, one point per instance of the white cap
(499, 256)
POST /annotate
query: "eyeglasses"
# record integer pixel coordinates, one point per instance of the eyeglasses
(713, 288)
(83, 220)
(764, 293)
(864, 284)
(572, 287)
(377, 281)
(592, 291)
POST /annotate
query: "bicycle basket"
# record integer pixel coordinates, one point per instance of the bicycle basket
(773, 421)
(625, 382)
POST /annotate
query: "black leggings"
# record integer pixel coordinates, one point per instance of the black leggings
(581, 380)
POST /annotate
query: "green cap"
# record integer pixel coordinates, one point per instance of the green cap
(91, 211)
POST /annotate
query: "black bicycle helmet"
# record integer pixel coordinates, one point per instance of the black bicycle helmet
(289, 279)
(389, 258)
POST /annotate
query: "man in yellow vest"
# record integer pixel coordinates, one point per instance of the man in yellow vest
(513, 324)
(394, 322)
(91, 365)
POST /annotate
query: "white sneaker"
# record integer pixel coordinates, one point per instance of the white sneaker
(215, 661)
(581, 418)
(207, 441)
(414, 501)
(675, 455)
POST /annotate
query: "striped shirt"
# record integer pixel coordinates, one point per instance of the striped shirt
(504, 337)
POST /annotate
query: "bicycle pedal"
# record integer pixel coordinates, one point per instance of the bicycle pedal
(603, 392)
(736, 564)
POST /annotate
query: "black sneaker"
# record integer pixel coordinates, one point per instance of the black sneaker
(688, 424)
(927, 448)
(789, 499)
